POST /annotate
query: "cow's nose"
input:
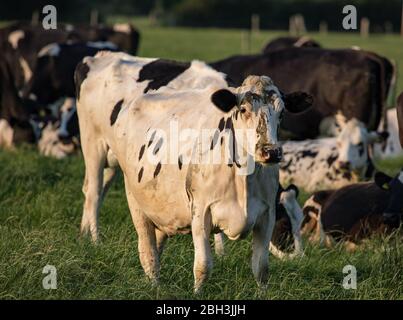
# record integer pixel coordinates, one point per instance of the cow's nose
(65, 138)
(272, 154)
(344, 165)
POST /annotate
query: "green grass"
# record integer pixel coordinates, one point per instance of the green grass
(40, 212)
(41, 206)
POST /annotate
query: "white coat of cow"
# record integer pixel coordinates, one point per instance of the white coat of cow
(117, 129)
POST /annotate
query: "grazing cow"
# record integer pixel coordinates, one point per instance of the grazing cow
(354, 212)
(117, 129)
(399, 110)
(289, 42)
(333, 77)
(330, 162)
(391, 147)
(288, 225)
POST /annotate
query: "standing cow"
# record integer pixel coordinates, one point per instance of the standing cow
(116, 129)
(330, 162)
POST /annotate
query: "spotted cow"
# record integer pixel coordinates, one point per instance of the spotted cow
(355, 212)
(330, 162)
(233, 195)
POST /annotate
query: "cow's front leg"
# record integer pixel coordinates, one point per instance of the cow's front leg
(147, 246)
(262, 233)
(203, 261)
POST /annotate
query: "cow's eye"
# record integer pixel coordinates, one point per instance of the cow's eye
(242, 110)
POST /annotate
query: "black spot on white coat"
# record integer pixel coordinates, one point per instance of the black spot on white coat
(161, 72)
(115, 111)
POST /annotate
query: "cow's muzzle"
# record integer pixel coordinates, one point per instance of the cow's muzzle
(271, 154)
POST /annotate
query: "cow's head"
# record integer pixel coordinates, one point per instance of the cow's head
(352, 144)
(68, 129)
(258, 105)
(394, 186)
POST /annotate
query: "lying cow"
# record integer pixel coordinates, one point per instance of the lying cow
(332, 76)
(354, 212)
(289, 42)
(288, 225)
(116, 129)
(330, 162)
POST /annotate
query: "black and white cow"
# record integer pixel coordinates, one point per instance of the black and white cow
(332, 76)
(354, 212)
(26, 41)
(156, 73)
(330, 162)
(119, 127)
(289, 42)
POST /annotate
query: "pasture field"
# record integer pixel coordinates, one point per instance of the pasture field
(41, 206)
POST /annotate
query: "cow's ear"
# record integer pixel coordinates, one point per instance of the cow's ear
(375, 136)
(224, 100)
(293, 187)
(296, 102)
(382, 180)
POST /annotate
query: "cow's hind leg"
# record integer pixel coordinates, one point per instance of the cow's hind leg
(94, 158)
(147, 244)
(161, 238)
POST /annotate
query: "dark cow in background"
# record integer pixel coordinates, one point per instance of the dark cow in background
(289, 42)
(332, 76)
(54, 73)
(15, 125)
(354, 212)
(26, 41)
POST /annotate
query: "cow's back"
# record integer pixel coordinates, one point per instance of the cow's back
(348, 209)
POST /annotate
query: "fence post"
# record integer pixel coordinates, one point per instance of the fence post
(246, 41)
(364, 30)
(94, 18)
(323, 27)
(401, 23)
(255, 23)
(35, 18)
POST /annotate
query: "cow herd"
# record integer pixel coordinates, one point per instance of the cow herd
(220, 148)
